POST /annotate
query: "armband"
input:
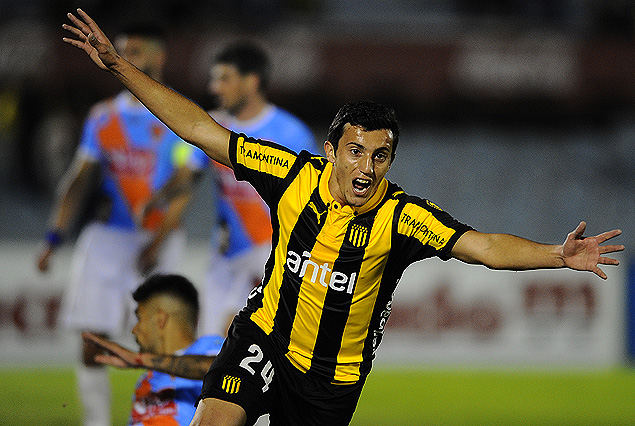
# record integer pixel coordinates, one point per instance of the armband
(54, 238)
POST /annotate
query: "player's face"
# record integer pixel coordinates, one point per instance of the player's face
(230, 87)
(359, 165)
(145, 54)
(146, 329)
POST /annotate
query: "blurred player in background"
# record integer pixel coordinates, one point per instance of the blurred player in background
(167, 315)
(125, 155)
(241, 240)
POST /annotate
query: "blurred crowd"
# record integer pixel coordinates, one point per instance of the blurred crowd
(602, 17)
(45, 91)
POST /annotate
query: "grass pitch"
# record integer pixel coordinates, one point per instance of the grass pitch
(390, 397)
(496, 397)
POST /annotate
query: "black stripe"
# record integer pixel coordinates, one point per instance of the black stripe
(337, 303)
(302, 238)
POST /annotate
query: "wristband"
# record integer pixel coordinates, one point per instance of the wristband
(54, 238)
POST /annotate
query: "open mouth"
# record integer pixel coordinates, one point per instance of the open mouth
(360, 186)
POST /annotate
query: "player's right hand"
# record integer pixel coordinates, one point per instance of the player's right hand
(91, 39)
(117, 356)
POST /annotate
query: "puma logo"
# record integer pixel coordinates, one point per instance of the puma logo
(317, 213)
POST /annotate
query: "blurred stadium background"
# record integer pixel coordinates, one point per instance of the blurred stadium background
(518, 116)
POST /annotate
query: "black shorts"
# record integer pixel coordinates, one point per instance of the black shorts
(249, 372)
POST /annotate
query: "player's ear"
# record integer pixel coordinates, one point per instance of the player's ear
(162, 318)
(329, 149)
(253, 81)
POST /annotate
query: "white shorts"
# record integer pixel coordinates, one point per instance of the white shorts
(104, 274)
(227, 285)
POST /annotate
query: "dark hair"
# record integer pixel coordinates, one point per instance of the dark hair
(144, 29)
(248, 58)
(169, 284)
(367, 114)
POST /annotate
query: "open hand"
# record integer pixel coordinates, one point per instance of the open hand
(91, 39)
(118, 356)
(586, 253)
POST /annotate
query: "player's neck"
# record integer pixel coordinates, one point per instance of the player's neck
(177, 340)
(252, 109)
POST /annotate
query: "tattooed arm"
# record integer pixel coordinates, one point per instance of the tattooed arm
(187, 366)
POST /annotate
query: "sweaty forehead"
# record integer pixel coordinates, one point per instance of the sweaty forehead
(371, 139)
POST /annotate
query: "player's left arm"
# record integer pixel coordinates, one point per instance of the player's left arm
(504, 251)
(177, 193)
(188, 366)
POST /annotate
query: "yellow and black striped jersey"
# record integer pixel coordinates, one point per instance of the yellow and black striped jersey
(328, 284)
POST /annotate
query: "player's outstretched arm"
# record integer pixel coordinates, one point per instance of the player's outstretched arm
(180, 114)
(504, 251)
(188, 366)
